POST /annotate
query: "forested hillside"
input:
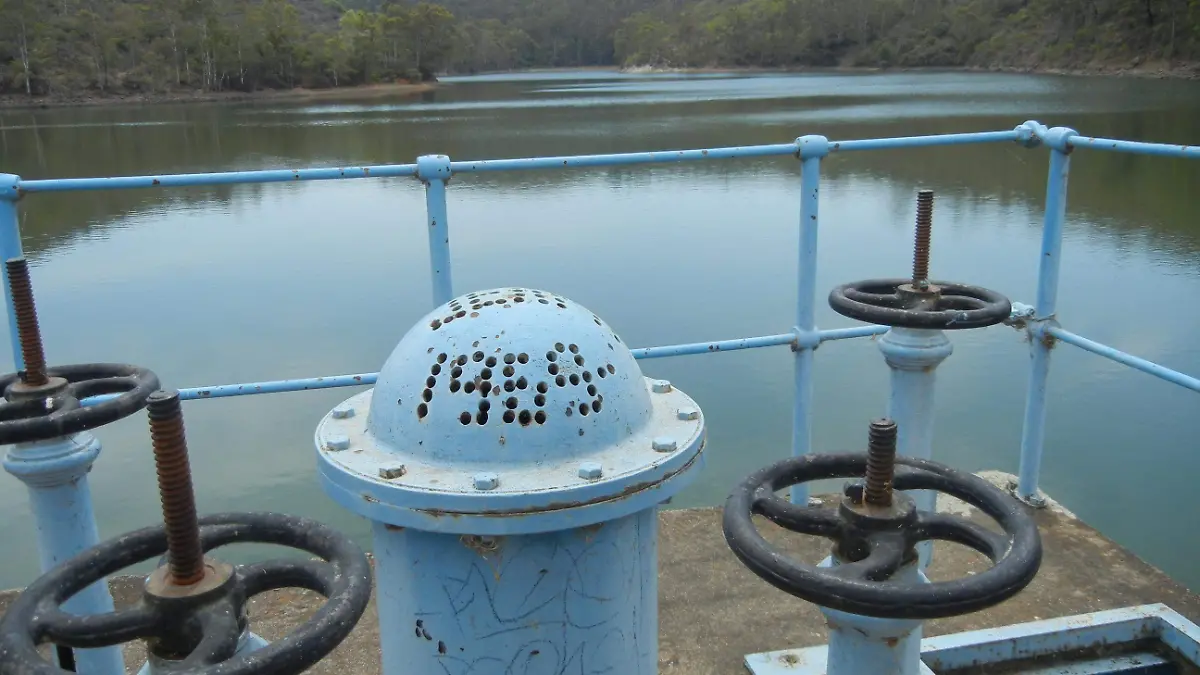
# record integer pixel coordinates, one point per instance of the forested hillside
(64, 48)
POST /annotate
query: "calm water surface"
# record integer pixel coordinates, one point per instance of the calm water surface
(233, 284)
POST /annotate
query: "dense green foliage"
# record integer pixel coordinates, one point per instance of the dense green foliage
(912, 33)
(101, 47)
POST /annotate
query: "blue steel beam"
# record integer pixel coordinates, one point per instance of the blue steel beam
(10, 247)
(585, 161)
(225, 178)
(1135, 147)
(1137, 363)
(1034, 427)
(361, 379)
(924, 141)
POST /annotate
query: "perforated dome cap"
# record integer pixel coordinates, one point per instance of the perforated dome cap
(508, 373)
(526, 388)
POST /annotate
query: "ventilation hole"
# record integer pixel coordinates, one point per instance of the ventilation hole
(422, 411)
(602, 373)
(597, 321)
(543, 301)
(481, 418)
(509, 416)
(610, 369)
(448, 319)
(539, 400)
(491, 362)
(465, 418)
(552, 369)
(509, 371)
(522, 383)
(586, 375)
(617, 336)
(574, 379)
(462, 359)
(460, 314)
(430, 381)
(542, 387)
(570, 411)
(436, 370)
(518, 299)
(477, 357)
(456, 372)
(485, 406)
(525, 418)
(489, 303)
(583, 409)
(596, 406)
(476, 307)
(591, 390)
(427, 395)
(469, 388)
(551, 356)
(578, 360)
(522, 358)
(455, 385)
(600, 397)
(510, 358)
(435, 324)
(485, 388)
(560, 381)
(486, 373)
(574, 349)
(509, 386)
(511, 403)
(559, 346)
(442, 358)
(561, 306)
(540, 417)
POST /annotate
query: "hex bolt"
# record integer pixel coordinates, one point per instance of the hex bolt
(687, 414)
(590, 470)
(185, 557)
(921, 245)
(881, 462)
(660, 386)
(28, 332)
(337, 442)
(486, 481)
(663, 444)
(342, 412)
(392, 472)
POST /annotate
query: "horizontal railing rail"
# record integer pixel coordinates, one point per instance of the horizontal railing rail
(1039, 320)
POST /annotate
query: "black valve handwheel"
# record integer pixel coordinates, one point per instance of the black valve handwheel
(881, 542)
(203, 622)
(939, 306)
(48, 411)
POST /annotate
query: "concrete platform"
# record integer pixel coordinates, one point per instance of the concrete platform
(713, 611)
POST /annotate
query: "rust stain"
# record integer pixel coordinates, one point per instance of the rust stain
(366, 171)
(369, 498)
(156, 182)
(392, 528)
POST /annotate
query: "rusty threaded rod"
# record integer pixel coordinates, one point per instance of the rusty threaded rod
(184, 555)
(28, 332)
(921, 245)
(881, 462)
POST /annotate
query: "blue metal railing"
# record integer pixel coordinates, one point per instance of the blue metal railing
(434, 171)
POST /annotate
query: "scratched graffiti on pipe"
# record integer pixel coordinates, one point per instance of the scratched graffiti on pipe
(578, 601)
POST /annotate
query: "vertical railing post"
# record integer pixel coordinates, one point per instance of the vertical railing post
(10, 247)
(1045, 312)
(811, 149)
(434, 172)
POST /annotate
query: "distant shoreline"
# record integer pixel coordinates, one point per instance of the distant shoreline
(1187, 71)
(356, 93)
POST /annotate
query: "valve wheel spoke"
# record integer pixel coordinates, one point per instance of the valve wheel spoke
(813, 520)
(946, 527)
(97, 630)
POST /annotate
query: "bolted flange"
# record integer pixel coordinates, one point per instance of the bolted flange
(513, 411)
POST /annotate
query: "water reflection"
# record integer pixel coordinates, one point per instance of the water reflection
(239, 283)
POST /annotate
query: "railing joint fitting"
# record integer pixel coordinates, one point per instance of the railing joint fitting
(806, 339)
(812, 147)
(434, 167)
(10, 187)
(1030, 133)
(1059, 138)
